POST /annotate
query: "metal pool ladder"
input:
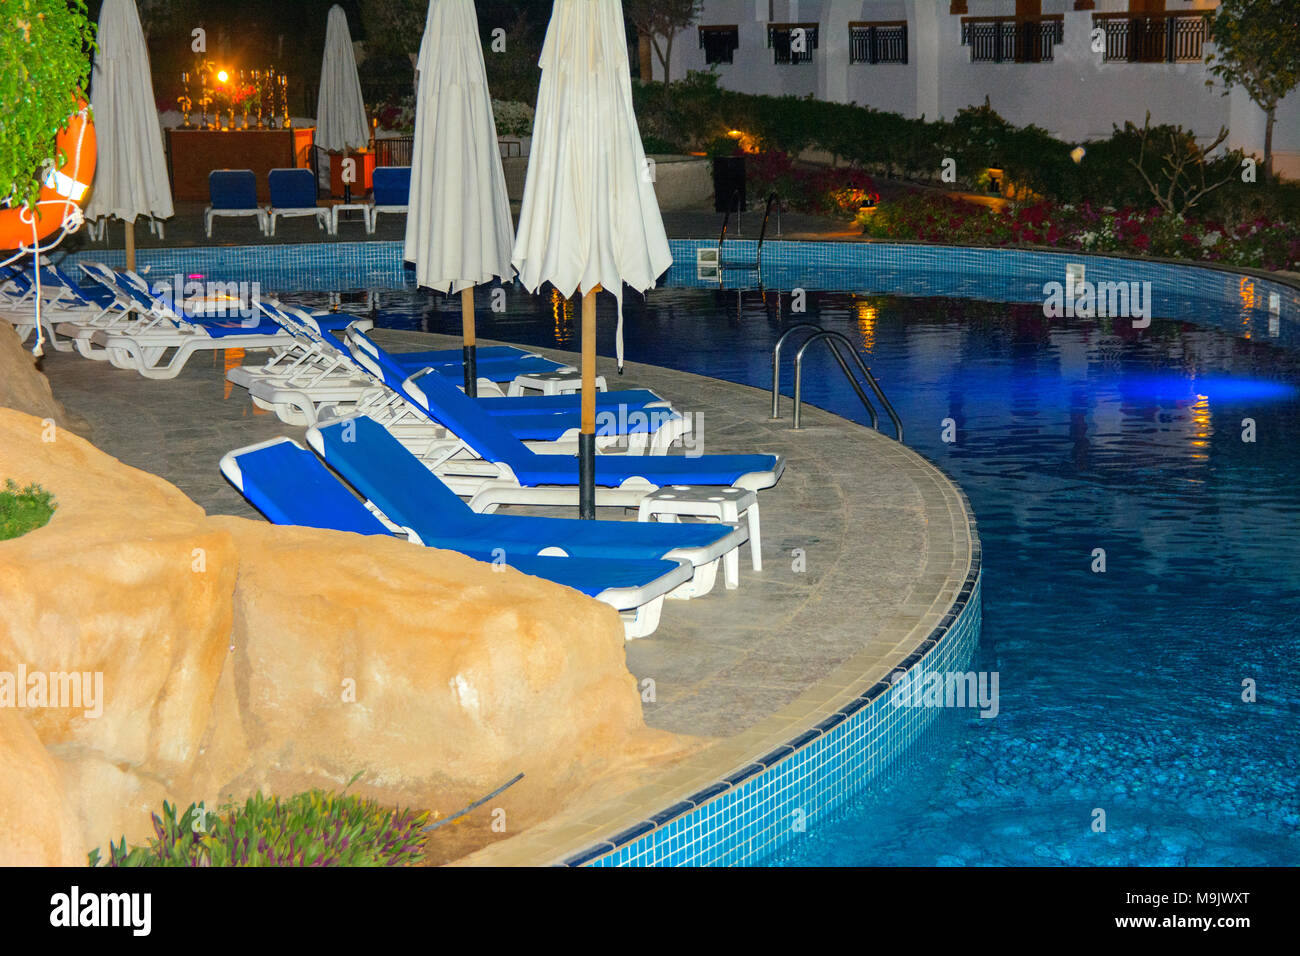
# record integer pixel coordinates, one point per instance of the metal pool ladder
(836, 341)
(723, 265)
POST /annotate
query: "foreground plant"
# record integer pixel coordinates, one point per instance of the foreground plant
(23, 509)
(316, 828)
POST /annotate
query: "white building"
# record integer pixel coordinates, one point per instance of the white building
(1073, 67)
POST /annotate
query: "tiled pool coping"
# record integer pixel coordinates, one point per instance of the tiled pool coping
(1182, 290)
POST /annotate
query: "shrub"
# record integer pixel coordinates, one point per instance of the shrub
(315, 828)
(513, 119)
(937, 217)
(23, 509)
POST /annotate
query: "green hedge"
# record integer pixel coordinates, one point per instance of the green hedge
(695, 114)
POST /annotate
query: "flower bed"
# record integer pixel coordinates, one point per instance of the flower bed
(807, 188)
(935, 217)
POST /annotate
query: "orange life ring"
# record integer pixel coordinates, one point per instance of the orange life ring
(64, 189)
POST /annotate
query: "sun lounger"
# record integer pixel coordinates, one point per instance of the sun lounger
(508, 472)
(374, 463)
(233, 192)
(390, 191)
(290, 486)
(293, 193)
(647, 421)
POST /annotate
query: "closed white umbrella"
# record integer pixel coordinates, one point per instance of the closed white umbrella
(340, 110)
(458, 227)
(131, 177)
(589, 218)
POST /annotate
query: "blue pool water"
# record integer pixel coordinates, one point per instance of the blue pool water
(1120, 691)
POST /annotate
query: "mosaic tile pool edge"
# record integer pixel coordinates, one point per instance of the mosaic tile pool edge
(746, 817)
(1004, 275)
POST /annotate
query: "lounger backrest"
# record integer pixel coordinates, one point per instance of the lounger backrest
(448, 405)
(292, 188)
(392, 185)
(232, 189)
(373, 462)
(290, 485)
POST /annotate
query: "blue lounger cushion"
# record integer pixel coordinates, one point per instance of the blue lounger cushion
(232, 189)
(290, 486)
(395, 482)
(494, 442)
(292, 188)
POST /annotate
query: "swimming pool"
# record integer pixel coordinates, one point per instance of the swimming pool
(1120, 690)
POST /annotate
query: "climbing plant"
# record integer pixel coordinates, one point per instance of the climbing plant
(46, 48)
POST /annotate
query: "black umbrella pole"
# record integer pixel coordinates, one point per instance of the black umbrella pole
(469, 353)
(587, 438)
(470, 359)
(587, 476)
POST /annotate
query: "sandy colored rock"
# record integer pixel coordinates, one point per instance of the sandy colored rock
(37, 825)
(128, 582)
(237, 656)
(24, 387)
(433, 675)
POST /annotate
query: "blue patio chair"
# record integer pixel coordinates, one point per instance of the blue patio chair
(233, 193)
(391, 191)
(293, 193)
(290, 486)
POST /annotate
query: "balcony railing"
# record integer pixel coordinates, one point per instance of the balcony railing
(884, 42)
(1012, 39)
(719, 43)
(1153, 37)
(792, 42)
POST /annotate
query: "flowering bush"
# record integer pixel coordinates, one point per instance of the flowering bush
(513, 119)
(935, 217)
(397, 115)
(834, 190)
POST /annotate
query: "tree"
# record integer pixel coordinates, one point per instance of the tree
(1184, 174)
(1257, 47)
(661, 18)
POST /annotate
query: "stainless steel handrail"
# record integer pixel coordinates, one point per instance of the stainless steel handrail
(838, 338)
(835, 341)
(776, 363)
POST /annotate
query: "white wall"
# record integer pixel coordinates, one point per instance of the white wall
(1076, 96)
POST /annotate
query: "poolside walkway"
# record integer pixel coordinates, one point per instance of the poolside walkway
(861, 538)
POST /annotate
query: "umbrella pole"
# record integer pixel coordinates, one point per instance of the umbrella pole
(587, 437)
(130, 245)
(470, 349)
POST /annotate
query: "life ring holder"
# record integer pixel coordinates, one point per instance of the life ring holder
(64, 189)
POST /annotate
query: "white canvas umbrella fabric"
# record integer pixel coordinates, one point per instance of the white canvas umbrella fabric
(131, 174)
(340, 110)
(589, 215)
(458, 226)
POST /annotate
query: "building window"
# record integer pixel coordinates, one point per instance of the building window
(792, 42)
(1152, 37)
(719, 43)
(1012, 39)
(882, 42)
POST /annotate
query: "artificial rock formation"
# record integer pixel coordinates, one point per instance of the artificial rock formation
(238, 656)
(22, 386)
